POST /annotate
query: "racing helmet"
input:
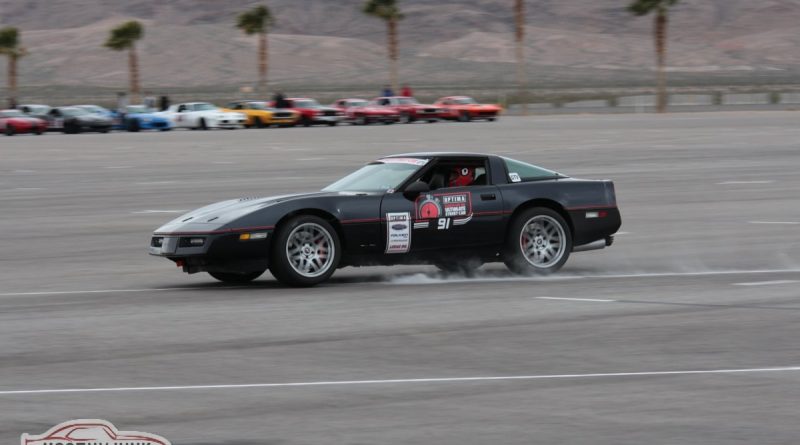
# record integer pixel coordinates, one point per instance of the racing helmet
(461, 176)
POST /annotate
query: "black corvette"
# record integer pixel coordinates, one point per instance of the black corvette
(454, 210)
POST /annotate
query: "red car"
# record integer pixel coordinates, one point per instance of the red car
(465, 109)
(311, 112)
(409, 109)
(361, 112)
(15, 121)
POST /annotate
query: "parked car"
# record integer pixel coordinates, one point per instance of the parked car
(409, 109)
(202, 116)
(141, 117)
(260, 114)
(76, 120)
(453, 210)
(362, 112)
(16, 122)
(465, 109)
(312, 113)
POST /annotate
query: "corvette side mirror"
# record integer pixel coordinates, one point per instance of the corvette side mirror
(415, 189)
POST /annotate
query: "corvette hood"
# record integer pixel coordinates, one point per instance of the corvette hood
(217, 215)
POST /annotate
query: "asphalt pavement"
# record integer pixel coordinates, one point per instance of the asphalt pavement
(684, 331)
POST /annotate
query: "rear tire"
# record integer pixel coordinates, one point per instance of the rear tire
(203, 125)
(305, 251)
(306, 121)
(227, 277)
(539, 241)
(10, 130)
(259, 123)
(463, 117)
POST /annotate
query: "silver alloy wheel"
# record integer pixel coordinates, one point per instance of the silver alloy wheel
(543, 241)
(310, 250)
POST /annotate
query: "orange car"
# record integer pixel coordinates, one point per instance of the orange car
(465, 109)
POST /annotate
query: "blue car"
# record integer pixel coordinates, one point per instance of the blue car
(140, 117)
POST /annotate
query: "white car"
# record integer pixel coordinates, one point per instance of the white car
(202, 115)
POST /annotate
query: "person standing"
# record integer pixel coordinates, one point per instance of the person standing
(387, 91)
(406, 92)
(163, 103)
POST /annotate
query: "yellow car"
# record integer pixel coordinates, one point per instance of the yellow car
(260, 114)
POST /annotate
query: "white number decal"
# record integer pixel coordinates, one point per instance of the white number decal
(444, 223)
(514, 177)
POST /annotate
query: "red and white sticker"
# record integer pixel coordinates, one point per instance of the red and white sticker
(91, 431)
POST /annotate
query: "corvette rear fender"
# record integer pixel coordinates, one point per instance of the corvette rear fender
(548, 203)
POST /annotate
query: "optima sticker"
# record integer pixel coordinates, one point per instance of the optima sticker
(398, 232)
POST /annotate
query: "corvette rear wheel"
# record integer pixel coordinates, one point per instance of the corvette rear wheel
(10, 130)
(305, 251)
(227, 277)
(539, 242)
(464, 116)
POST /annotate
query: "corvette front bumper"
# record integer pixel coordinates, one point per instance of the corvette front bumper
(226, 252)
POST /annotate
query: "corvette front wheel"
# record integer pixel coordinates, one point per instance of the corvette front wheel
(305, 251)
(539, 242)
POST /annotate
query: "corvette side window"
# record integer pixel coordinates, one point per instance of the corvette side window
(455, 173)
(522, 172)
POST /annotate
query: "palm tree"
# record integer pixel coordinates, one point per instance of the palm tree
(10, 47)
(660, 7)
(257, 21)
(388, 11)
(124, 37)
(519, 40)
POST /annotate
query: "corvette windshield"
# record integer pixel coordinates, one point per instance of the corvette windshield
(204, 107)
(357, 103)
(464, 100)
(378, 176)
(306, 103)
(407, 101)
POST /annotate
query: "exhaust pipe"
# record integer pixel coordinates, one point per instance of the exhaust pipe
(595, 245)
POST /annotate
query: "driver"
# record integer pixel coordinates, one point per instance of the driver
(461, 176)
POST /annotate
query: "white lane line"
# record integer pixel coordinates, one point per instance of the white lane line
(311, 159)
(792, 223)
(408, 281)
(576, 299)
(28, 189)
(112, 291)
(116, 167)
(223, 162)
(766, 283)
(744, 182)
(429, 281)
(400, 381)
(24, 171)
(160, 211)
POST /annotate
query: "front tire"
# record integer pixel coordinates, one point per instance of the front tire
(203, 125)
(10, 130)
(133, 125)
(539, 242)
(227, 277)
(464, 117)
(305, 251)
(260, 123)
